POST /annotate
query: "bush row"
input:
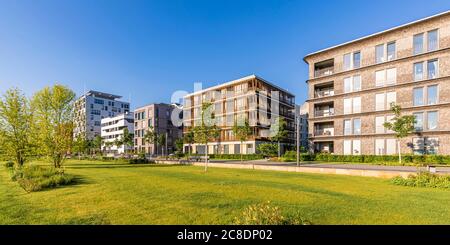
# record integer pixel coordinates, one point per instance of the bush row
(233, 156)
(424, 179)
(386, 159)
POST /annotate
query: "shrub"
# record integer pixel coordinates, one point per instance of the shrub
(268, 149)
(35, 178)
(9, 164)
(266, 214)
(424, 179)
(139, 161)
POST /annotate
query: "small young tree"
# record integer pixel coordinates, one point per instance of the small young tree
(278, 132)
(80, 146)
(188, 138)
(401, 125)
(242, 132)
(96, 144)
(127, 139)
(161, 140)
(179, 145)
(206, 131)
(16, 120)
(151, 137)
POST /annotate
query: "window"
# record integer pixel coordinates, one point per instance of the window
(432, 69)
(391, 76)
(432, 95)
(347, 127)
(347, 106)
(418, 43)
(347, 62)
(389, 119)
(432, 40)
(357, 105)
(418, 96)
(418, 71)
(352, 84)
(391, 51)
(391, 145)
(386, 77)
(356, 60)
(391, 98)
(379, 102)
(347, 147)
(379, 53)
(432, 120)
(356, 147)
(379, 147)
(357, 126)
(427, 145)
(98, 101)
(379, 127)
(418, 124)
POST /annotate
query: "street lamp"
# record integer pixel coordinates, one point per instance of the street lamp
(297, 130)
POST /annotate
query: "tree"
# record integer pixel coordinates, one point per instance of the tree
(16, 120)
(127, 139)
(188, 138)
(161, 140)
(80, 146)
(96, 144)
(179, 145)
(242, 132)
(206, 131)
(401, 125)
(53, 108)
(268, 149)
(151, 137)
(278, 132)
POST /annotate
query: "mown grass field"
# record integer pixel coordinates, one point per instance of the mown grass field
(115, 193)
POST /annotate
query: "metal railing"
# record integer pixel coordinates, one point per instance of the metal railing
(324, 113)
(324, 72)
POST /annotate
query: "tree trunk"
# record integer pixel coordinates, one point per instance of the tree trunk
(399, 152)
(241, 151)
(206, 157)
(279, 150)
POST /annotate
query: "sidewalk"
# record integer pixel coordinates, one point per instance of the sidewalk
(324, 168)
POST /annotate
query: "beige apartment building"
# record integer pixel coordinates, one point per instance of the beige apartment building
(249, 98)
(352, 85)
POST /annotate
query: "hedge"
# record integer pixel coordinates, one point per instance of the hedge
(406, 159)
(232, 156)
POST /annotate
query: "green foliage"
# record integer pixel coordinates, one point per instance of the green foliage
(53, 108)
(96, 144)
(242, 132)
(401, 125)
(380, 159)
(424, 179)
(267, 214)
(235, 156)
(268, 149)
(291, 156)
(35, 178)
(16, 120)
(139, 161)
(9, 164)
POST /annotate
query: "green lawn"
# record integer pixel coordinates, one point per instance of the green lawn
(114, 193)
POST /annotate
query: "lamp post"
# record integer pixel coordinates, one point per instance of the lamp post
(297, 130)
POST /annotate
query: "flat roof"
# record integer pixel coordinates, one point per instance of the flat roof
(378, 33)
(226, 84)
(103, 95)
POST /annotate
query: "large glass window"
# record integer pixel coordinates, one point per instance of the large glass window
(379, 53)
(391, 51)
(418, 124)
(418, 71)
(357, 126)
(379, 147)
(432, 69)
(391, 76)
(357, 83)
(347, 127)
(432, 120)
(391, 145)
(347, 106)
(391, 98)
(356, 147)
(379, 78)
(432, 40)
(347, 84)
(418, 43)
(418, 96)
(432, 95)
(347, 147)
(389, 119)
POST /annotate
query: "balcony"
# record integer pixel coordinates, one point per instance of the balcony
(324, 113)
(324, 68)
(324, 90)
(324, 129)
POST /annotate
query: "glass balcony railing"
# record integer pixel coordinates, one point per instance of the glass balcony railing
(324, 113)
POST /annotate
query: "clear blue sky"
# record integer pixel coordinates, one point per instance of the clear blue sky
(149, 49)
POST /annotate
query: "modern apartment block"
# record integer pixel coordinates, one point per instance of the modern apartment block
(249, 98)
(352, 85)
(113, 130)
(156, 117)
(91, 108)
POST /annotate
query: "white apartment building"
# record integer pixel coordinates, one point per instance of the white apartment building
(91, 108)
(112, 129)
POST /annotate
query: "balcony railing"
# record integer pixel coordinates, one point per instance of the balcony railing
(324, 132)
(324, 72)
(324, 113)
(323, 93)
